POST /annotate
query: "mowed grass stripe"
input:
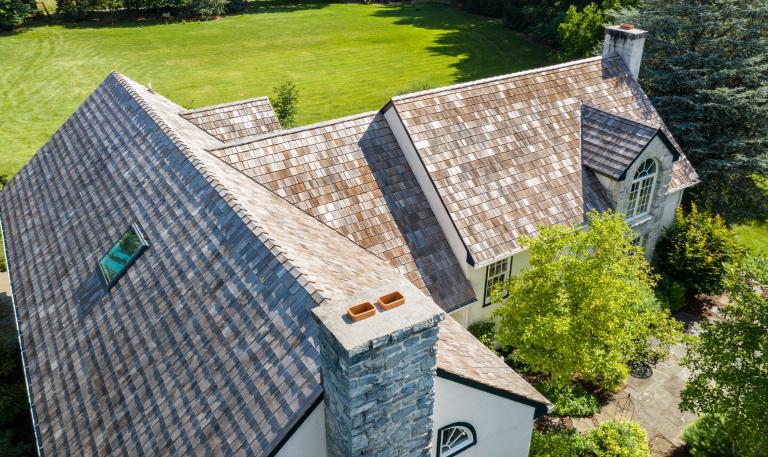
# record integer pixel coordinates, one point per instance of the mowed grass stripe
(344, 59)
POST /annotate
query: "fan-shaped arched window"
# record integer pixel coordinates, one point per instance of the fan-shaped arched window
(641, 191)
(455, 438)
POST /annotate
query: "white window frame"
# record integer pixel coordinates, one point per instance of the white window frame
(495, 273)
(459, 447)
(642, 188)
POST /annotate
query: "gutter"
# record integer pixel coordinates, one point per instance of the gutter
(24, 364)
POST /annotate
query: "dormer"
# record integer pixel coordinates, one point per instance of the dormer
(632, 160)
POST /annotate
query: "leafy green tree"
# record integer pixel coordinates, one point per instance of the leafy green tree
(581, 30)
(285, 103)
(706, 69)
(695, 249)
(14, 12)
(585, 304)
(729, 363)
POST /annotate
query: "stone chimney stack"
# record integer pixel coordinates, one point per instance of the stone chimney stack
(626, 41)
(379, 374)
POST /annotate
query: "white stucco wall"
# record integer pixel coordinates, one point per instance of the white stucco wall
(673, 201)
(427, 187)
(503, 426)
(476, 312)
(309, 439)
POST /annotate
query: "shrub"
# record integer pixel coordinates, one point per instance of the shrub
(619, 438)
(670, 293)
(14, 12)
(581, 30)
(485, 332)
(570, 400)
(285, 103)
(559, 444)
(695, 250)
(707, 438)
(208, 9)
(490, 8)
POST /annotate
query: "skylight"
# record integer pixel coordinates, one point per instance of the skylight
(122, 254)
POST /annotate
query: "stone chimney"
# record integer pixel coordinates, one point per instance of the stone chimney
(626, 41)
(379, 375)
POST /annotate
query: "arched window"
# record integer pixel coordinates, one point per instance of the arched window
(455, 438)
(641, 191)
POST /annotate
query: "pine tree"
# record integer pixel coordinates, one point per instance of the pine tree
(706, 70)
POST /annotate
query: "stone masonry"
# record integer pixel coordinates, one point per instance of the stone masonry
(379, 389)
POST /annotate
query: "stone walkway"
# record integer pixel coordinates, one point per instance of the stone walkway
(652, 401)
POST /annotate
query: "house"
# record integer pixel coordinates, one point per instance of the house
(183, 279)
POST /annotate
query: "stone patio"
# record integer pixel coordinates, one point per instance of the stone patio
(652, 401)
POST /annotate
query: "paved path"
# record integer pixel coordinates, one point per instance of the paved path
(652, 401)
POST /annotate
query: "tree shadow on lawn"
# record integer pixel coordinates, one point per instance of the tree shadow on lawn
(466, 36)
(121, 19)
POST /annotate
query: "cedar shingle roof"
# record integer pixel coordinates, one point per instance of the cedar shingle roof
(232, 121)
(610, 143)
(461, 355)
(504, 153)
(206, 346)
(351, 175)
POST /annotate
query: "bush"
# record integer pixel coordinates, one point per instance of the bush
(707, 438)
(671, 294)
(570, 400)
(559, 444)
(208, 9)
(695, 250)
(285, 103)
(14, 12)
(490, 8)
(485, 332)
(619, 438)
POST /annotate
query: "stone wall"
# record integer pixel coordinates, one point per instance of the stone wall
(380, 399)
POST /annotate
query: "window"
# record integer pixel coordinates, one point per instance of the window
(641, 240)
(455, 438)
(496, 273)
(122, 255)
(640, 193)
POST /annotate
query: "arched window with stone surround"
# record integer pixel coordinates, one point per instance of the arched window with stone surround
(455, 438)
(641, 190)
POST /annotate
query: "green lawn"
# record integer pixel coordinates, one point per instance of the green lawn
(753, 235)
(344, 58)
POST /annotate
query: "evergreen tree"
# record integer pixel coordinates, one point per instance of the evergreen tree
(14, 12)
(706, 70)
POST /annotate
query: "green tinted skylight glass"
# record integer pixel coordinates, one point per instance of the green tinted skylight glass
(122, 255)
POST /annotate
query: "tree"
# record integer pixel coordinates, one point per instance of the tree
(695, 250)
(285, 103)
(581, 30)
(13, 13)
(706, 70)
(585, 304)
(729, 363)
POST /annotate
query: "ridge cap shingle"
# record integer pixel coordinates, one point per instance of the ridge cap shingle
(203, 109)
(255, 138)
(492, 79)
(225, 193)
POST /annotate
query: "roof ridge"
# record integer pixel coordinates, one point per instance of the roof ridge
(222, 190)
(224, 105)
(479, 82)
(620, 117)
(264, 136)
